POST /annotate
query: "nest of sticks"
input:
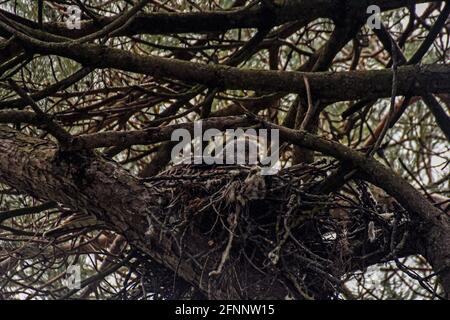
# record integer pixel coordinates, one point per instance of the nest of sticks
(273, 236)
(277, 226)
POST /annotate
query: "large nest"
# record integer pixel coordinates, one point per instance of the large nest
(279, 227)
(261, 237)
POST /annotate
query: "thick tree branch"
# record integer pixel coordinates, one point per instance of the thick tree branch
(328, 86)
(215, 21)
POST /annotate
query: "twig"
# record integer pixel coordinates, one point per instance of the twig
(311, 108)
(64, 138)
(40, 9)
(226, 253)
(380, 138)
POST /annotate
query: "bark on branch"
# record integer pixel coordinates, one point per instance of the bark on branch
(327, 86)
(215, 21)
